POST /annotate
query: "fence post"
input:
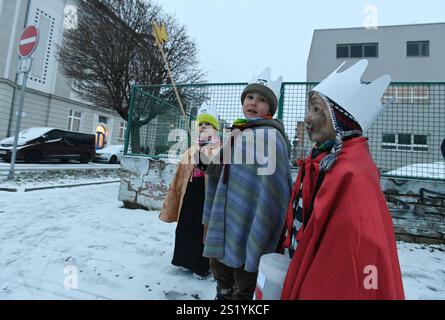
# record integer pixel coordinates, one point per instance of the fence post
(129, 122)
(281, 103)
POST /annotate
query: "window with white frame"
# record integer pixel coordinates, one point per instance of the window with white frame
(74, 119)
(122, 130)
(412, 94)
(358, 50)
(405, 142)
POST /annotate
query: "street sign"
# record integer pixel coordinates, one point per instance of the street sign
(27, 45)
(24, 65)
(28, 41)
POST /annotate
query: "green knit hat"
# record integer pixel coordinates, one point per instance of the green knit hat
(208, 114)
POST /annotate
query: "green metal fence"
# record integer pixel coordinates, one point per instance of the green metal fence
(405, 142)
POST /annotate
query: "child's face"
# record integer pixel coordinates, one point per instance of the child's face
(206, 130)
(319, 121)
(255, 105)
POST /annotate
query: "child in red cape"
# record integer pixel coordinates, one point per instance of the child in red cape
(339, 232)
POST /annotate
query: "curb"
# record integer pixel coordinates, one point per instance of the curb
(59, 186)
(70, 185)
(8, 189)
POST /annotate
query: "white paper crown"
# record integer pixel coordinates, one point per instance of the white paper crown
(206, 108)
(265, 78)
(362, 101)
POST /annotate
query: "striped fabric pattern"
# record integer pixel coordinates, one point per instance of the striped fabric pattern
(246, 216)
(297, 207)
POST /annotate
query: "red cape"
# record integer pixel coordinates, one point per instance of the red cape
(348, 249)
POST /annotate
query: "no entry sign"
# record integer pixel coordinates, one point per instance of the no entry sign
(28, 41)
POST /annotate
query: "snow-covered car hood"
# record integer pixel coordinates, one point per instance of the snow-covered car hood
(26, 135)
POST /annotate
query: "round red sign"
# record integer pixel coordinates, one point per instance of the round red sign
(28, 41)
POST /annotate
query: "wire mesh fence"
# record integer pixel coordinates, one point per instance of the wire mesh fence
(405, 141)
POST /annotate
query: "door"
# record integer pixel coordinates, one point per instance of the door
(100, 137)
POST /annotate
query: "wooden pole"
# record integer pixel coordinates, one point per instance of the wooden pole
(158, 43)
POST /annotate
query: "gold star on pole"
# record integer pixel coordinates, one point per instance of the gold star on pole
(160, 33)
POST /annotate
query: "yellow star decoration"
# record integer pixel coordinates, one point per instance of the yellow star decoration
(160, 33)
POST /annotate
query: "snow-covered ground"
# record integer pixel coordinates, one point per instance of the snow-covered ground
(45, 166)
(58, 177)
(79, 243)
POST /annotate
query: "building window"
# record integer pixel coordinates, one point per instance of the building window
(420, 143)
(404, 142)
(418, 48)
(358, 50)
(342, 51)
(103, 120)
(122, 130)
(413, 94)
(76, 85)
(74, 118)
(389, 142)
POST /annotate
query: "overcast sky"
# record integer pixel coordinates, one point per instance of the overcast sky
(239, 37)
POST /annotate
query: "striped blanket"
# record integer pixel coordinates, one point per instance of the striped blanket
(245, 210)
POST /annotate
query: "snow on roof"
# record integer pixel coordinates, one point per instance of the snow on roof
(420, 170)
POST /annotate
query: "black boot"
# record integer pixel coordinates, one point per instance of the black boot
(224, 294)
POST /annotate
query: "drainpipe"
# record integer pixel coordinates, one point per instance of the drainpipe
(11, 113)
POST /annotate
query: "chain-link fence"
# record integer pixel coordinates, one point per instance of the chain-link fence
(404, 142)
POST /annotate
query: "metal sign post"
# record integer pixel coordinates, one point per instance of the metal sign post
(18, 122)
(27, 45)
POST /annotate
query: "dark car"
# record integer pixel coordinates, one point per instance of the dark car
(36, 144)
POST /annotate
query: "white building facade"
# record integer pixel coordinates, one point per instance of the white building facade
(51, 99)
(412, 128)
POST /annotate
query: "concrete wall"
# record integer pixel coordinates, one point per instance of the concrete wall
(144, 182)
(418, 209)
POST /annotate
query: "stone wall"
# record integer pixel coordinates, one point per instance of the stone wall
(144, 182)
(417, 207)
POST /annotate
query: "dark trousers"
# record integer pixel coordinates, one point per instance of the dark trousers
(233, 283)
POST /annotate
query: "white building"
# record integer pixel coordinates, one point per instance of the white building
(51, 99)
(412, 129)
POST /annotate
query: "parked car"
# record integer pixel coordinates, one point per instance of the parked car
(111, 154)
(37, 144)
